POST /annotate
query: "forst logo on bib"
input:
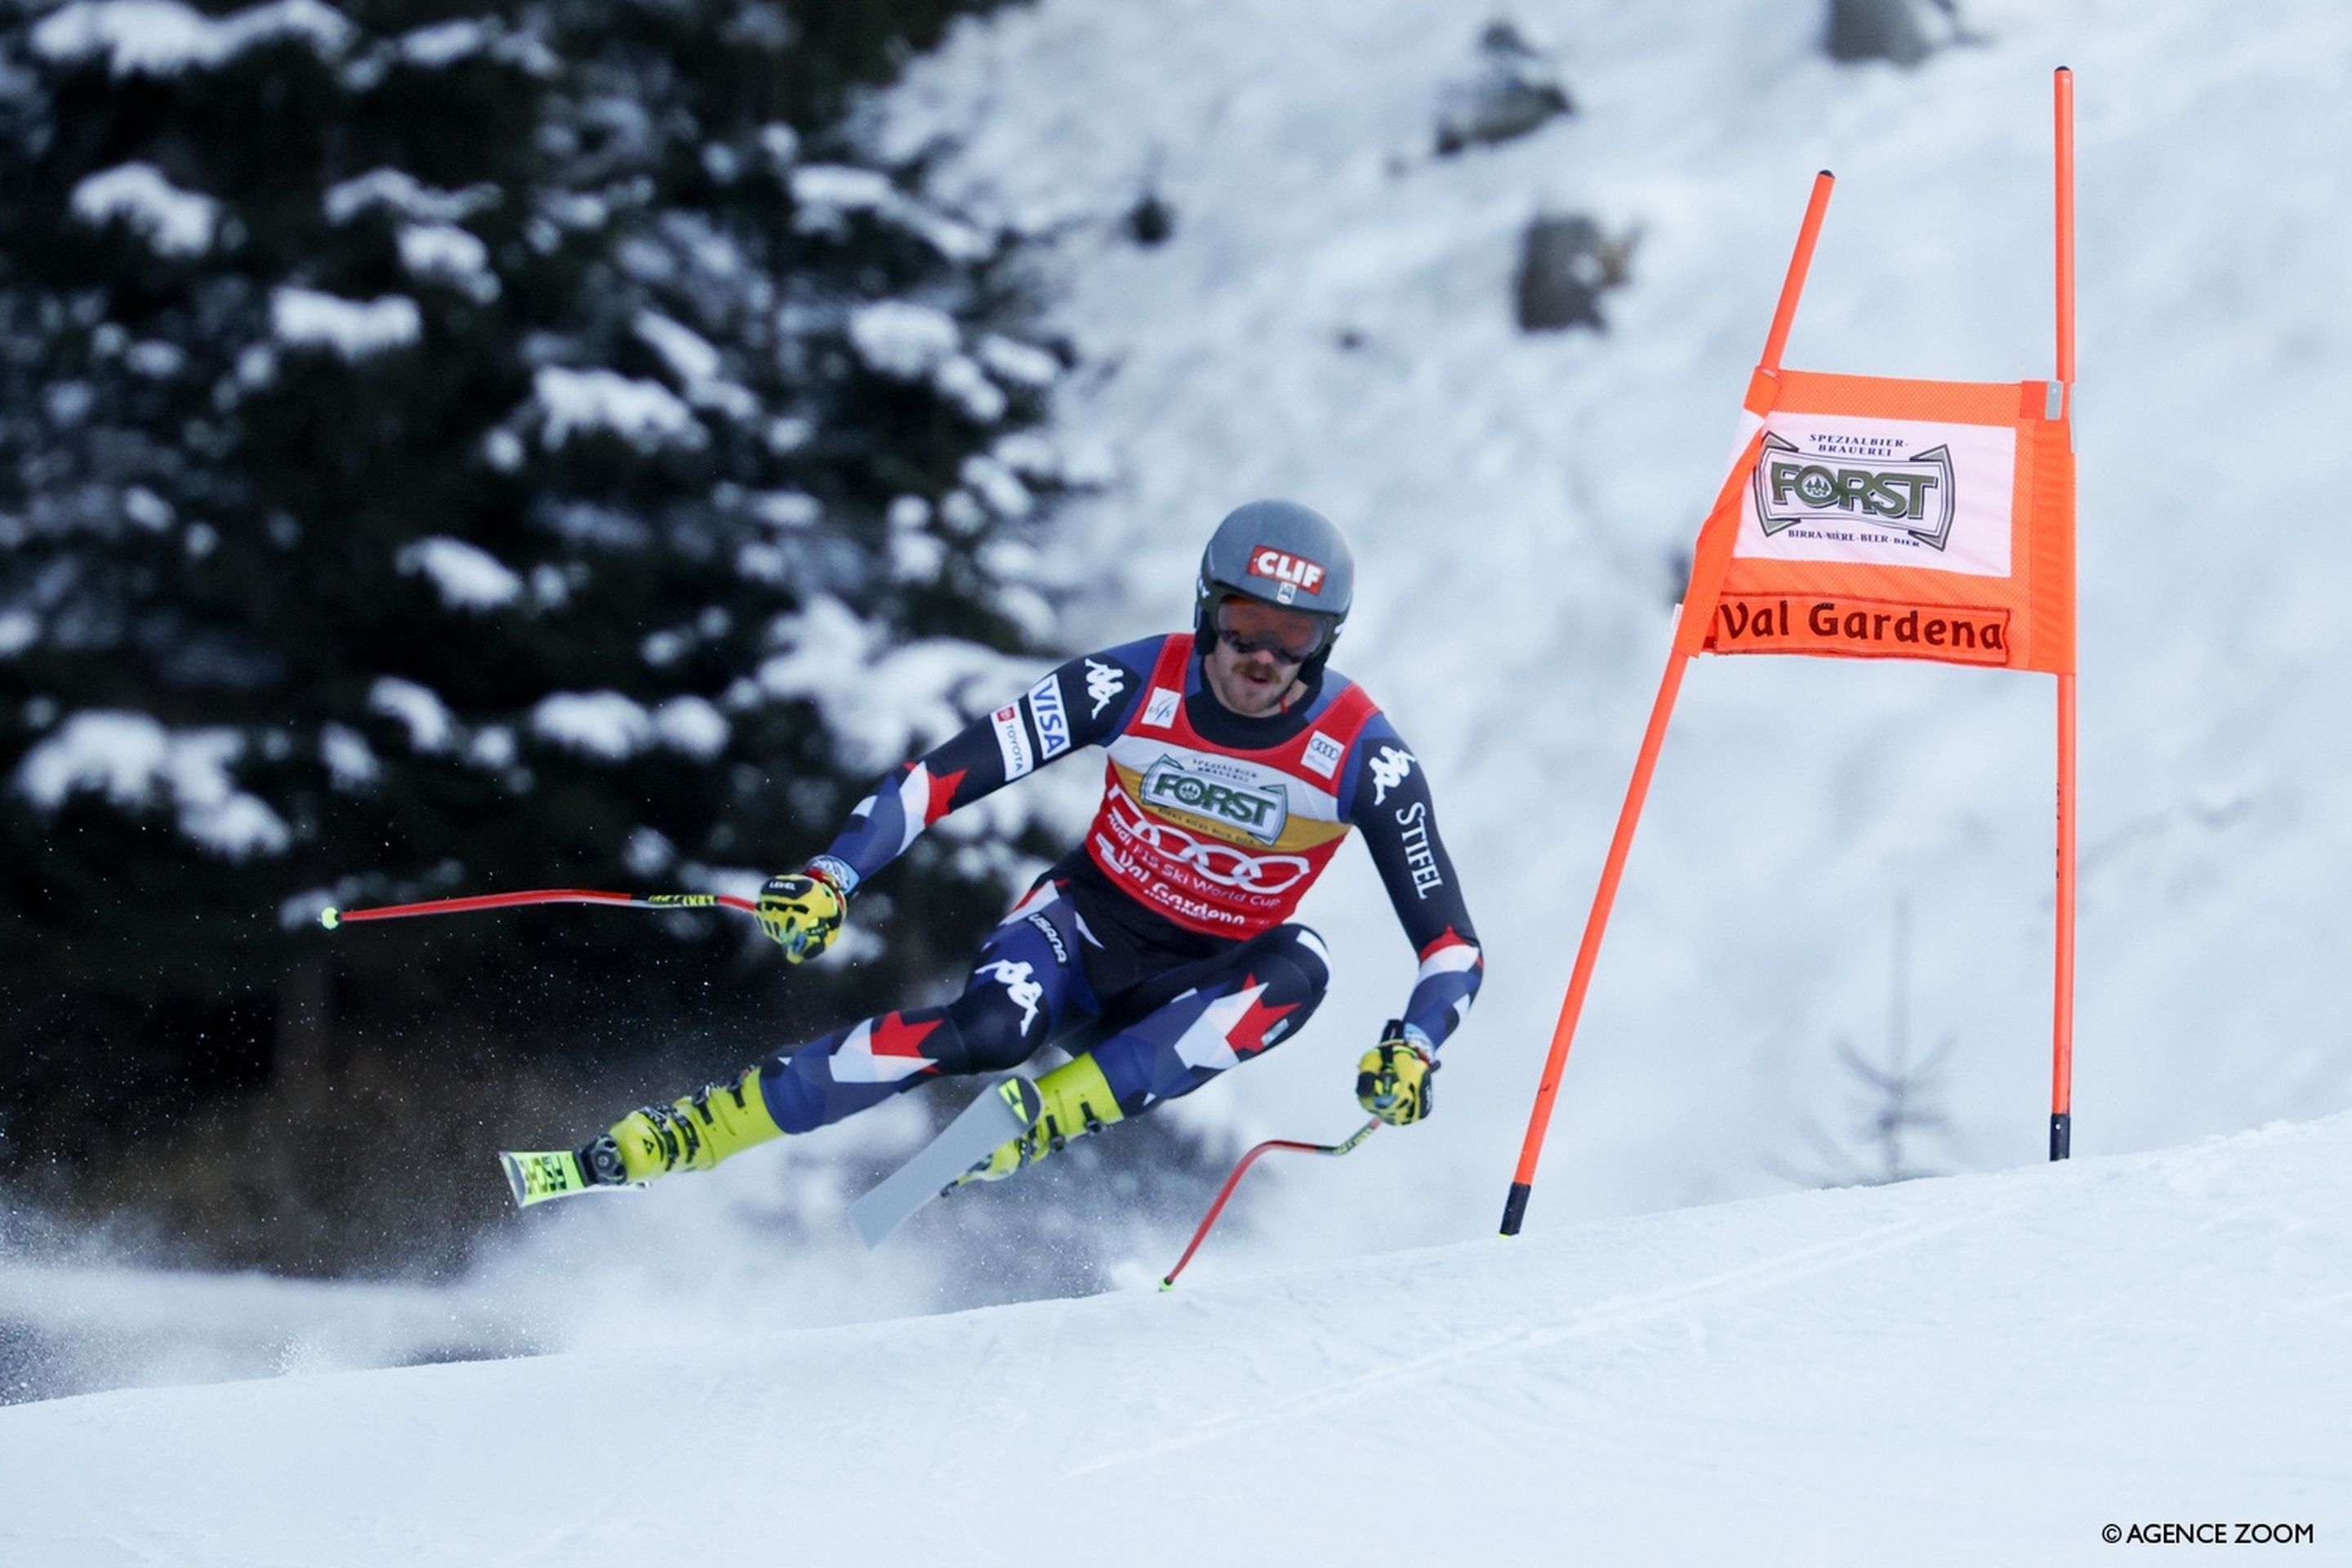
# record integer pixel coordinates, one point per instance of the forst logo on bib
(1863, 481)
(1295, 573)
(1261, 811)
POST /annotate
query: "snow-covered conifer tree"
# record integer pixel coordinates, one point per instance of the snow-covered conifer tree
(443, 451)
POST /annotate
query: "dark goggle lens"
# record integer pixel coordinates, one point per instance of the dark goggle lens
(1246, 627)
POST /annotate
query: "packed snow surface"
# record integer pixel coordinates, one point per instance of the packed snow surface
(1977, 1370)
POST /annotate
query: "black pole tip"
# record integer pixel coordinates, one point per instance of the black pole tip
(1515, 1208)
(2062, 1135)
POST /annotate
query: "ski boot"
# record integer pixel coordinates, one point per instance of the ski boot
(1078, 1101)
(689, 1134)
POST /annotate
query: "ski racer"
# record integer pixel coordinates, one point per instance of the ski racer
(1162, 950)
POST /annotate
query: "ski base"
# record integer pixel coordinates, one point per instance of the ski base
(1009, 1108)
(537, 1177)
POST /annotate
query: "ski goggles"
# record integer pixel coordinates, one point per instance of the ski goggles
(1248, 626)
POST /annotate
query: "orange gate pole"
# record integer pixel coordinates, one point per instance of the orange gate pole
(2062, 1040)
(1515, 1206)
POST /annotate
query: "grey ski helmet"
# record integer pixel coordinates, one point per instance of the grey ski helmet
(1282, 553)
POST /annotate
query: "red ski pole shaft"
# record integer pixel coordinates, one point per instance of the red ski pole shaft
(332, 918)
(1225, 1192)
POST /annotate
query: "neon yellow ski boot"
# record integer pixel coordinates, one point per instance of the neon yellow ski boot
(689, 1134)
(1078, 1102)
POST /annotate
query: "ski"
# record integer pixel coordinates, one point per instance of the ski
(553, 1174)
(1008, 1108)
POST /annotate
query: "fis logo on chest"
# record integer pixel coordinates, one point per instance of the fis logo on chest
(1292, 575)
(1261, 811)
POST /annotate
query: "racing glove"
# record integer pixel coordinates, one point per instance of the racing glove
(802, 910)
(1392, 1078)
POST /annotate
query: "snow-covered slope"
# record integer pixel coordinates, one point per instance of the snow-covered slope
(1983, 1369)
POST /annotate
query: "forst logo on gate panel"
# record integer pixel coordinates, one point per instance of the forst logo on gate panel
(1909, 495)
(1262, 811)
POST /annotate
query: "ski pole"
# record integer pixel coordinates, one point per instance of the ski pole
(332, 917)
(1335, 1150)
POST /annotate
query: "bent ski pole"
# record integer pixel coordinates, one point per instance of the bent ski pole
(332, 918)
(1360, 1133)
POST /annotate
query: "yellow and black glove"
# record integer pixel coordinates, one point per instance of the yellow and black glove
(802, 911)
(1392, 1078)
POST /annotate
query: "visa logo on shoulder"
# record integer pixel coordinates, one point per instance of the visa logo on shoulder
(1053, 720)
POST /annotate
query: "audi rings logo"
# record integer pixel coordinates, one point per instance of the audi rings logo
(1220, 863)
